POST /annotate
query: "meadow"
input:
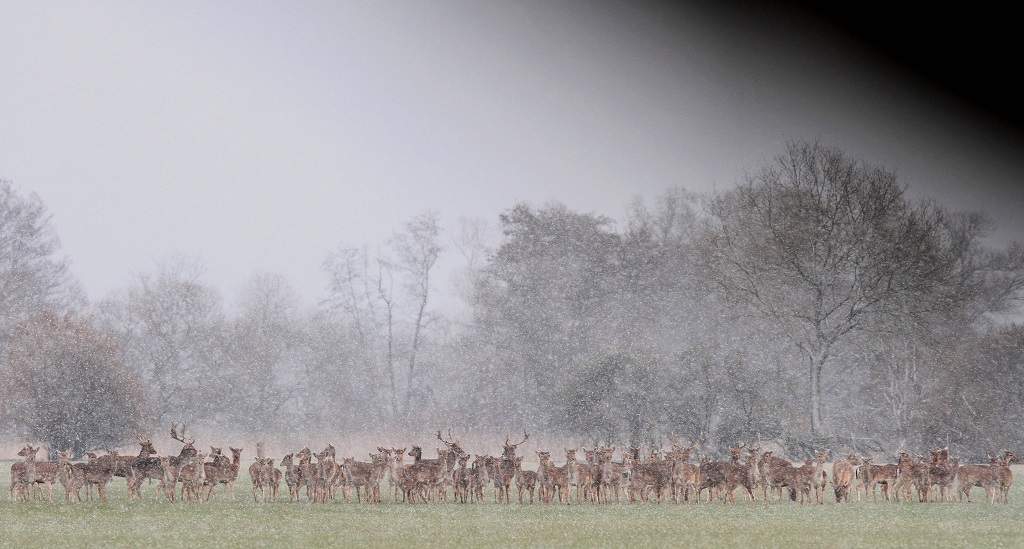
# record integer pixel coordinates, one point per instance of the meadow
(243, 523)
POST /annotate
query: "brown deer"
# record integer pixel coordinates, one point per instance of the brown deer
(612, 477)
(526, 481)
(942, 472)
(257, 475)
(777, 474)
(504, 472)
(97, 472)
(292, 478)
(651, 476)
(904, 476)
(460, 487)
(884, 475)
(843, 474)
(685, 475)
(552, 479)
(150, 468)
(358, 476)
(223, 471)
(1003, 475)
(975, 475)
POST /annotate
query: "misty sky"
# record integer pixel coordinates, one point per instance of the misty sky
(258, 136)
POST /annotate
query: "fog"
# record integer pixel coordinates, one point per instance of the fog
(240, 193)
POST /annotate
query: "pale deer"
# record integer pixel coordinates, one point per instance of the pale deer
(685, 475)
(612, 479)
(72, 479)
(23, 474)
(193, 477)
(169, 477)
(843, 474)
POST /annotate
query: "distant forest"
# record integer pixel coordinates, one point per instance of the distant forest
(814, 304)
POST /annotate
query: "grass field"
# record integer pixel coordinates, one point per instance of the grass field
(242, 523)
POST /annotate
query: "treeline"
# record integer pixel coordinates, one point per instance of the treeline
(815, 304)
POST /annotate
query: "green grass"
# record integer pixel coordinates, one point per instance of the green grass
(242, 523)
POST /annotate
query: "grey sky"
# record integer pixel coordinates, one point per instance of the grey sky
(258, 136)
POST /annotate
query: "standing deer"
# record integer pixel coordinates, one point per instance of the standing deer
(23, 474)
(223, 471)
(1003, 475)
(843, 474)
(975, 475)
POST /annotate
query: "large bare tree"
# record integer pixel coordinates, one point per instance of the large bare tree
(33, 278)
(824, 246)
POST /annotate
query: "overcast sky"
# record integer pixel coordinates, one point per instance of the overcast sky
(259, 136)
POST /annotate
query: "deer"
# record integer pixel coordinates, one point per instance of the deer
(223, 471)
(150, 468)
(552, 479)
(685, 475)
(650, 475)
(358, 475)
(777, 473)
(193, 478)
(460, 486)
(258, 478)
(292, 478)
(71, 479)
(942, 473)
(98, 472)
(843, 474)
(612, 477)
(23, 474)
(885, 475)
(168, 479)
(579, 474)
(270, 477)
(480, 477)
(973, 475)
(1003, 475)
(526, 481)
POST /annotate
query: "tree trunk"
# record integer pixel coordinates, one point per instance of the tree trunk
(817, 425)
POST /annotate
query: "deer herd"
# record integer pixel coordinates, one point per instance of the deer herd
(587, 475)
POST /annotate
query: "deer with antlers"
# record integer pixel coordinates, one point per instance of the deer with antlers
(150, 468)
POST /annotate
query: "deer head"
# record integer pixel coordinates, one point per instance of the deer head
(510, 449)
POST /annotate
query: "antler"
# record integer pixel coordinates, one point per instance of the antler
(525, 436)
(180, 437)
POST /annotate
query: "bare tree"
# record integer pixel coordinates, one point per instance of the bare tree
(171, 327)
(32, 277)
(824, 246)
(376, 294)
(416, 251)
